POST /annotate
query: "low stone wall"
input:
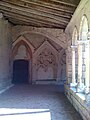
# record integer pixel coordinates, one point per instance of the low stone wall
(78, 101)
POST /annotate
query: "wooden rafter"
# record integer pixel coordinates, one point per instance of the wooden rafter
(31, 14)
(39, 13)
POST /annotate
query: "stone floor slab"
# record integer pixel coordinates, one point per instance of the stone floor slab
(36, 102)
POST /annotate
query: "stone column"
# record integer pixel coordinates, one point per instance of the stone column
(79, 82)
(68, 66)
(87, 89)
(73, 65)
(83, 65)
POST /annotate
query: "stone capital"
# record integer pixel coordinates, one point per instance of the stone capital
(73, 47)
(81, 42)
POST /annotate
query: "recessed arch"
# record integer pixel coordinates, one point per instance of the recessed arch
(48, 35)
(17, 44)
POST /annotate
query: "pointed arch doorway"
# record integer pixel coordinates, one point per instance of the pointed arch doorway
(22, 60)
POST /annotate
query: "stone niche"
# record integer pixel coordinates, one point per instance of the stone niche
(45, 64)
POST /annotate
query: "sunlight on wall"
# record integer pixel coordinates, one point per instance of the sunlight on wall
(24, 114)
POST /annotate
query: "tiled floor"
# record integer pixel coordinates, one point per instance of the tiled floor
(36, 102)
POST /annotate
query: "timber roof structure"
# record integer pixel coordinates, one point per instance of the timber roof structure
(39, 13)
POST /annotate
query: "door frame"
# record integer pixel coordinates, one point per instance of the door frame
(29, 68)
(15, 47)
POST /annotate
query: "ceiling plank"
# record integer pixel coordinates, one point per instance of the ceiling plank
(32, 15)
(42, 10)
(39, 13)
(55, 4)
(47, 5)
(43, 5)
(64, 3)
(33, 22)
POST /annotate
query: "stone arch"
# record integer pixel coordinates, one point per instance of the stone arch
(74, 44)
(83, 50)
(45, 62)
(21, 41)
(51, 37)
(56, 38)
(74, 36)
(83, 28)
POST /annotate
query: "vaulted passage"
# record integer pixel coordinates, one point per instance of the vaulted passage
(20, 71)
(36, 102)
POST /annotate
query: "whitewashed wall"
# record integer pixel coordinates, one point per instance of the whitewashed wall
(5, 47)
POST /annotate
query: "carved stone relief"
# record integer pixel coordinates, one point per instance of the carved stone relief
(45, 64)
(45, 59)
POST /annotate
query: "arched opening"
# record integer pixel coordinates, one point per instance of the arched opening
(22, 62)
(74, 37)
(83, 51)
(20, 71)
(83, 29)
(74, 56)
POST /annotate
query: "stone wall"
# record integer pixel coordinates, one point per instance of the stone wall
(48, 57)
(5, 49)
(78, 101)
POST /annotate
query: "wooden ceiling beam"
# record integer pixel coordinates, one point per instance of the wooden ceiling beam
(46, 5)
(43, 5)
(39, 13)
(26, 21)
(55, 4)
(41, 10)
(64, 3)
(44, 17)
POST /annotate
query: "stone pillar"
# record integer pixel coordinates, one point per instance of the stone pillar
(87, 89)
(80, 64)
(68, 66)
(84, 65)
(73, 65)
(79, 85)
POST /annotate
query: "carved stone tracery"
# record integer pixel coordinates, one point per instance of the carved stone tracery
(45, 59)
